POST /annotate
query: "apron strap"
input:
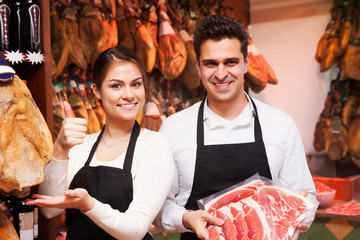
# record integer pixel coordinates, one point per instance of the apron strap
(131, 147)
(257, 128)
(200, 125)
(91, 154)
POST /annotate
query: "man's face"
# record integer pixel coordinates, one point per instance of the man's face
(222, 67)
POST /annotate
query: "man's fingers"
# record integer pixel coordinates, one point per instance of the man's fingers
(67, 109)
(213, 220)
(302, 227)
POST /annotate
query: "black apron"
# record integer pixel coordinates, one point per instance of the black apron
(221, 166)
(108, 185)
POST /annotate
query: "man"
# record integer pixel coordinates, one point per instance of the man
(228, 137)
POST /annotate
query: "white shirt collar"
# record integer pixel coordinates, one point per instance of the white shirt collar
(212, 120)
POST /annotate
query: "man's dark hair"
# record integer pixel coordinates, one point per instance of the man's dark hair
(218, 27)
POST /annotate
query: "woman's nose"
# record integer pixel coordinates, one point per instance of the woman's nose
(127, 93)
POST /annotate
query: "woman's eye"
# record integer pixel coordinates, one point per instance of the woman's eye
(116, 86)
(137, 84)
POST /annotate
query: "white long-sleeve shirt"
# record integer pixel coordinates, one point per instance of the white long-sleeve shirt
(283, 145)
(152, 171)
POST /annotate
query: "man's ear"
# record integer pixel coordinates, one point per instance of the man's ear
(96, 91)
(246, 63)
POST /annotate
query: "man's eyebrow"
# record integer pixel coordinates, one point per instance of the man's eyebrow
(226, 59)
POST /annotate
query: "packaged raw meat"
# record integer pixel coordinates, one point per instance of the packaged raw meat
(256, 209)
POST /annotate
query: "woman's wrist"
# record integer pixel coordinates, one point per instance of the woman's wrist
(89, 204)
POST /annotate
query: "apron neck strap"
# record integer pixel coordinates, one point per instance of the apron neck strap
(130, 149)
(92, 152)
(200, 125)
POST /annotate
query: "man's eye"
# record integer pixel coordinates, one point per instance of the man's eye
(231, 63)
(210, 64)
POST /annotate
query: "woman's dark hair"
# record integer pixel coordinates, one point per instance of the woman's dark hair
(110, 57)
(218, 27)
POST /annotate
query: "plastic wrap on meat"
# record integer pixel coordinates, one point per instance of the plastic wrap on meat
(257, 210)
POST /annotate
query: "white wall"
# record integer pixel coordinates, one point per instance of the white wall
(289, 46)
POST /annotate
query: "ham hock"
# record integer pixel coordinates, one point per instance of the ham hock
(25, 140)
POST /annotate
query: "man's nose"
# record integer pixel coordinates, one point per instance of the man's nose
(220, 73)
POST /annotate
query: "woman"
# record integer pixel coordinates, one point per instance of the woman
(114, 182)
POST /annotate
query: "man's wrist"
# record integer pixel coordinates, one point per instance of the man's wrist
(185, 221)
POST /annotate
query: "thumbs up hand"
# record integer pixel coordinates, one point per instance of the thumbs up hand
(72, 132)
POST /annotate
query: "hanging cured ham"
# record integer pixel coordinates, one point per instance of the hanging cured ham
(76, 53)
(60, 44)
(345, 29)
(125, 37)
(259, 72)
(189, 76)
(328, 54)
(92, 32)
(58, 114)
(93, 121)
(26, 144)
(351, 60)
(96, 105)
(354, 139)
(171, 51)
(151, 24)
(324, 123)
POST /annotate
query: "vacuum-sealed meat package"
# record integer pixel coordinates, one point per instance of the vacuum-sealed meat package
(256, 209)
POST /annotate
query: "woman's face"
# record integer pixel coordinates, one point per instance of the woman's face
(122, 91)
